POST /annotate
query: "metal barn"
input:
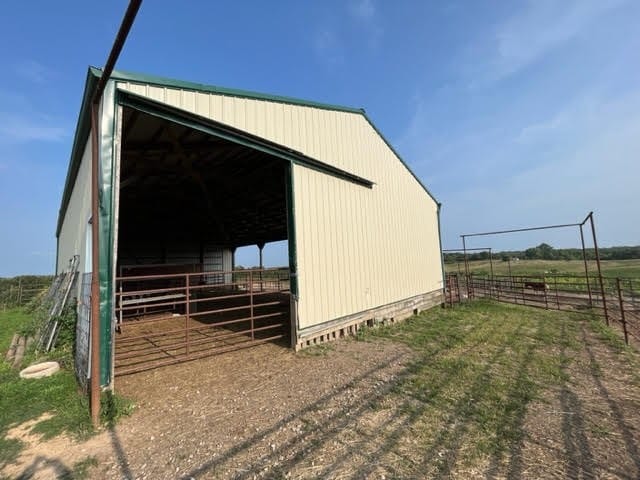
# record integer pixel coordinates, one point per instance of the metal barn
(190, 172)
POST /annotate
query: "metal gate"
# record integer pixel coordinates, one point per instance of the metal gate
(175, 317)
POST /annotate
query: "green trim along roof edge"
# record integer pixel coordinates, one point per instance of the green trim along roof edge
(80, 138)
(122, 76)
(83, 124)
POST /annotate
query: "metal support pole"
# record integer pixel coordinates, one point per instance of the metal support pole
(622, 316)
(94, 401)
(260, 247)
(127, 22)
(187, 312)
(251, 302)
(586, 268)
(491, 267)
(595, 245)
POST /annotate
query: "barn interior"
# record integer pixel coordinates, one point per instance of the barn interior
(187, 200)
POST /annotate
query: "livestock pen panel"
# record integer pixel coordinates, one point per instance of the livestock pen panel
(165, 319)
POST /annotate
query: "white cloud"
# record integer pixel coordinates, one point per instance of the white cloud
(34, 71)
(17, 128)
(328, 46)
(363, 10)
(594, 168)
(333, 39)
(541, 27)
(365, 13)
(578, 114)
(546, 147)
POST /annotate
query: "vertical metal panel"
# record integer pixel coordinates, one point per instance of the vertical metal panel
(354, 259)
(319, 133)
(72, 234)
(358, 248)
(227, 264)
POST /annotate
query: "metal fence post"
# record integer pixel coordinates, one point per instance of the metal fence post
(595, 245)
(251, 303)
(622, 316)
(586, 268)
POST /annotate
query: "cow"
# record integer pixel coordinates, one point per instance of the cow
(536, 286)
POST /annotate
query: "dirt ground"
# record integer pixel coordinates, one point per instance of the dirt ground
(332, 412)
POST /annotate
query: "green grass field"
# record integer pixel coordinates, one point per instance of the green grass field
(479, 368)
(487, 389)
(610, 268)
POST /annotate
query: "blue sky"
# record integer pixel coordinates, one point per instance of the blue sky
(512, 113)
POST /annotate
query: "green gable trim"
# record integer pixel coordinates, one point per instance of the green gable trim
(406, 165)
(83, 129)
(232, 92)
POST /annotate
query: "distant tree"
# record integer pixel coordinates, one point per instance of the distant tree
(532, 253)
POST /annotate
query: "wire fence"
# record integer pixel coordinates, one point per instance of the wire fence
(616, 300)
(20, 291)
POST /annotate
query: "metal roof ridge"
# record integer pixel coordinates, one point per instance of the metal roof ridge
(201, 87)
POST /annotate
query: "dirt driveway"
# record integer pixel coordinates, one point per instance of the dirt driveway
(264, 411)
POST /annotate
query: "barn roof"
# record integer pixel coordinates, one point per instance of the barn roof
(83, 126)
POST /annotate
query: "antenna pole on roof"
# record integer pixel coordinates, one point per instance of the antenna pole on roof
(127, 22)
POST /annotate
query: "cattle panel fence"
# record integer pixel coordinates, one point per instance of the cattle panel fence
(616, 300)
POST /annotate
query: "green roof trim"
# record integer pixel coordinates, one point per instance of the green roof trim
(199, 87)
(83, 125)
(406, 165)
(83, 128)
(122, 76)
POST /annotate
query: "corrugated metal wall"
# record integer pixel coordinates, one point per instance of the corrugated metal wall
(73, 232)
(319, 133)
(360, 248)
(357, 248)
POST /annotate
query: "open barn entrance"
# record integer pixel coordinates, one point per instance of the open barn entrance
(187, 200)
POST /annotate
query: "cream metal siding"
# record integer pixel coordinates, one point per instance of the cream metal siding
(357, 248)
(73, 233)
(360, 248)
(327, 135)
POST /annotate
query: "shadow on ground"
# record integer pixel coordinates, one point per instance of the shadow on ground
(499, 395)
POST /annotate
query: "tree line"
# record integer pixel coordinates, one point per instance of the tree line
(545, 251)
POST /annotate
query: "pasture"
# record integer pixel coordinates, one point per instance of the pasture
(610, 268)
